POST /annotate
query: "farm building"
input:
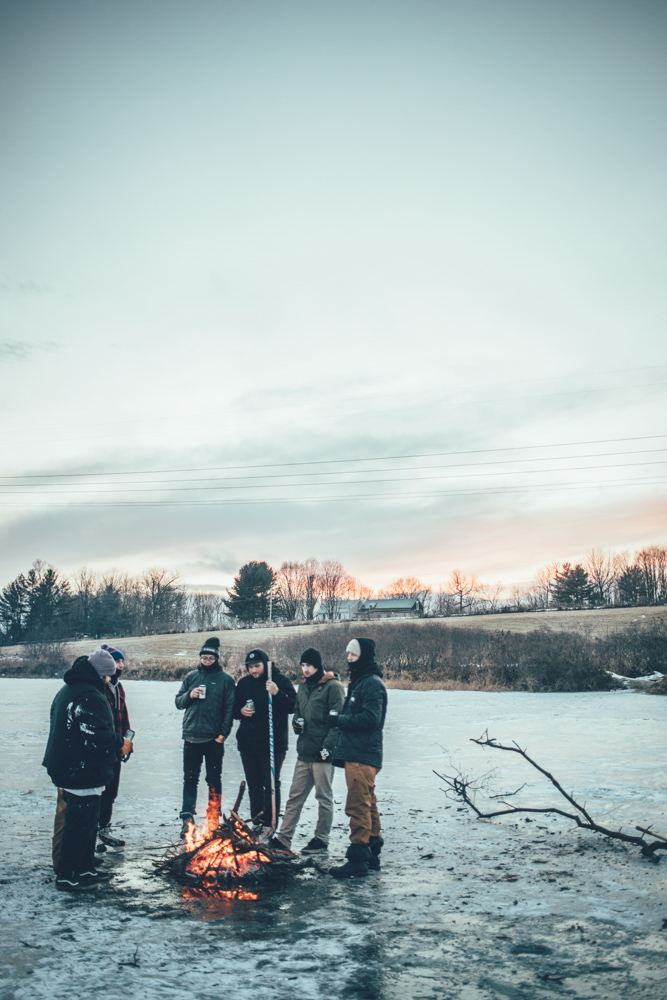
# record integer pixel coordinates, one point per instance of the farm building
(390, 607)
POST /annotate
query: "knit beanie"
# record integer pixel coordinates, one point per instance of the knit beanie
(313, 657)
(353, 647)
(103, 662)
(256, 656)
(211, 647)
(366, 655)
(116, 653)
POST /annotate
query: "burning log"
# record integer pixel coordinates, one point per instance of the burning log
(231, 856)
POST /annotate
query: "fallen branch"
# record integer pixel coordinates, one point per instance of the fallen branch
(464, 790)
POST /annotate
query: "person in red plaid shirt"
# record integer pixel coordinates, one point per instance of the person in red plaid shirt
(116, 696)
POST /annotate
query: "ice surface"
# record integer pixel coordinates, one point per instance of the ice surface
(501, 910)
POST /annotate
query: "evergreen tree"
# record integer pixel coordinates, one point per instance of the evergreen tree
(572, 588)
(631, 586)
(49, 604)
(14, 609)
(248, 599)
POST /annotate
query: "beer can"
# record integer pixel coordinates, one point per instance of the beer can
(250, 705)
(202, 690)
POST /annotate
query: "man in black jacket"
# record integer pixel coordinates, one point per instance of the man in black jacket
(207, 695)
(81, 752)
(359, 750)
(251, 706)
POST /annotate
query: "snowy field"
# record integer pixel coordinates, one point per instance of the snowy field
(500, 911)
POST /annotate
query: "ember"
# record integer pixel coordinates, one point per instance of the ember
(232, 854)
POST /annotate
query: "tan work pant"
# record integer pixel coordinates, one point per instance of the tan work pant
(361, 805)
(58, 826)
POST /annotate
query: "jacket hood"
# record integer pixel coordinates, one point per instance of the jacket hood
(83, 672)
(366, 663)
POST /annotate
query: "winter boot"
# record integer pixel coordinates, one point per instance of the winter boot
(375, 844)
(188, 825)
(213, 811)
(104, 834)
(357, 856)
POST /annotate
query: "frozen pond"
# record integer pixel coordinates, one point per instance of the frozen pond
(500, 910)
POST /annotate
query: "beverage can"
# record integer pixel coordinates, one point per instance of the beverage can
(202, 690)
(250, 705)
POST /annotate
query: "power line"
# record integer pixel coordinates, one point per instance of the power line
(536, 488)
(340, 461)
(410, 468)
(356, 482)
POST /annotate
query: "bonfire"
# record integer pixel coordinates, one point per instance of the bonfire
(227, 858)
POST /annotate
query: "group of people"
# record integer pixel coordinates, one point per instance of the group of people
(90, 736)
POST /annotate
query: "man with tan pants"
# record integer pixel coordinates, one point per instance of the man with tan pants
(359, 750)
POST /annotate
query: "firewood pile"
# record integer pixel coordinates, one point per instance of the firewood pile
(230, 856)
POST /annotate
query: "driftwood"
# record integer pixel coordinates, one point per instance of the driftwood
(464, 790)
(230, 856)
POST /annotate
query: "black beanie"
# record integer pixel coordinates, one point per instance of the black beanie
(211, 647)
(256, 656)
(313, 657)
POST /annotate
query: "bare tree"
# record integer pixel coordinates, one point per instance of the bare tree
(163, 595)
(331, 578)
(205, 611)
(312, 573)
(85, 587)
(652, 562)
(291, 590)
(490, 592)
(352, 589)
(600, 568)
(405, 588)
(544, 584)
(461, 587)
(440, 604)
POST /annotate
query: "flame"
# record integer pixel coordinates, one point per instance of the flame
(219, 858)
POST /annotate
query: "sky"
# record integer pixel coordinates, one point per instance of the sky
(375, 281)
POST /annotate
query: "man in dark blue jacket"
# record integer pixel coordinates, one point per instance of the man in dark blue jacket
(80, 756)
(359, 751)
(251, 706)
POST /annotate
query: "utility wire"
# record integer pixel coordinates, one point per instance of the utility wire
(356, 482)
(340, 461)
(366, 496)
(409, 468)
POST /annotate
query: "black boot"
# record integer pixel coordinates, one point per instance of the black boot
(375, 844)
(357, 856)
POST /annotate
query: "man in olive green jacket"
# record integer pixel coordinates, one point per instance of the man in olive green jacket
(319, 694)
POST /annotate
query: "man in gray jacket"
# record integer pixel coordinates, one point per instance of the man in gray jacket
(319, 694)
(207, 695)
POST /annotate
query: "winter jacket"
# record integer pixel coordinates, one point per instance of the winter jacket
(83, 748)
(116, 697)
(207, 718)
(253, 733)
(361, 721)
(313, 704)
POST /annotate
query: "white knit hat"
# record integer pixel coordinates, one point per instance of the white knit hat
(353, 647)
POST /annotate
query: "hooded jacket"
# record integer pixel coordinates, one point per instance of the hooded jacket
(361, 720)
(207, 718)
(253, 733)
(313, 704)
(83, 748)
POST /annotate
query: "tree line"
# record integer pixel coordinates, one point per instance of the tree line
(42, 604)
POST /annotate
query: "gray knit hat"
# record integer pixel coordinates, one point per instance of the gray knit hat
(103, 662)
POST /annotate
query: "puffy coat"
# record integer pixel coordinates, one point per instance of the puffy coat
(83, 748)
(361, 721)
(313, 704)
(253, 733)
(207, 718)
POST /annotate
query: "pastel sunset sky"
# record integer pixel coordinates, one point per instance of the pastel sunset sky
(359, 279)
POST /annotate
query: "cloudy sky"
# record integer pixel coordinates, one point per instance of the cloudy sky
(372, 280)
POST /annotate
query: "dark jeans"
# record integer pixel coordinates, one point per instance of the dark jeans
(193, 754)
(77, 848)
(109, 797)
(257, 768)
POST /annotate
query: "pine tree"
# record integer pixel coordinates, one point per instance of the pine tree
(248, 599)
(572, 588)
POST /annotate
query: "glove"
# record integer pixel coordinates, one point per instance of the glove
(332, 719)
(324, 753)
